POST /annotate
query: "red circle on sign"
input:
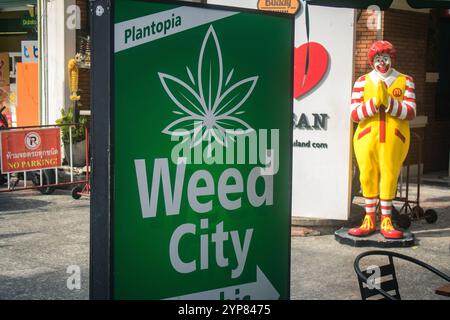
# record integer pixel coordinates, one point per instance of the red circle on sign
(32, 140)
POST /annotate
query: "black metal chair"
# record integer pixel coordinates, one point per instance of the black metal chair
(369, 289)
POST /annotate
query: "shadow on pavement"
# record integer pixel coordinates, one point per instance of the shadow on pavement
(12, 235)
(42, 286)
(20, 203)
(439, 199)
(432, 233)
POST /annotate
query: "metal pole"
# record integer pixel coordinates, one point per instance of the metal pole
(419, 174)
(101, 15)
(407, 187)
(379, 25)
(71, 153)
(86, 149)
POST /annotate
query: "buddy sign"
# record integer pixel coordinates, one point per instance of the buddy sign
(201, 197)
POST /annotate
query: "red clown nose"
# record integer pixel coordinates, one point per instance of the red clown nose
(379, 47)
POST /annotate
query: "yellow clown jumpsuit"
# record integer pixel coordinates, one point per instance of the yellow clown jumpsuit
(381, 141)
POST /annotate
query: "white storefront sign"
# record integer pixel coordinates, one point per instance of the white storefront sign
(57, 48)
(321, 178)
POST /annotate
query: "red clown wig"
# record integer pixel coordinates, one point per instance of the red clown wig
(379, 47)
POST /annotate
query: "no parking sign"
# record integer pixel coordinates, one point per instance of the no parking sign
(31, 149)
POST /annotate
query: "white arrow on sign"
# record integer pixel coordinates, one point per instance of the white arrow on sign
(262, 289)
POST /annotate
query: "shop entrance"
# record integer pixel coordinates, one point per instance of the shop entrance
(443, 87)
(437, 97)
(19, 53)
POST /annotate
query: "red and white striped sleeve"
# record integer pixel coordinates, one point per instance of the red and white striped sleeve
(361, 110)
(406, 109)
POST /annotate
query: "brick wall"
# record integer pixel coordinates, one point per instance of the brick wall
(364, 39)
(408, 31)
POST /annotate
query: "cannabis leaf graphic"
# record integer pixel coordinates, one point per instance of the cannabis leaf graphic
(209, 107)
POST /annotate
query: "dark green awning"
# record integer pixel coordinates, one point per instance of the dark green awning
(420, 4)
(357, 4)
(16, 4)
(383, 4)
(12, 26)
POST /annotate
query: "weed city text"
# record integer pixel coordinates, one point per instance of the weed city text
(228, 192)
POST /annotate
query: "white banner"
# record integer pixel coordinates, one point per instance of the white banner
(321, 177)
(322, 143)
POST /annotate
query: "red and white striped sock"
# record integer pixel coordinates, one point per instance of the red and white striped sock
(370, 205)
(386, 207)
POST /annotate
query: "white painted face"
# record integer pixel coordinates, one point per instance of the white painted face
(382, 63)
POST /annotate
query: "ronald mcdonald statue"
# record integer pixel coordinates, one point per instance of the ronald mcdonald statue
(383, 102)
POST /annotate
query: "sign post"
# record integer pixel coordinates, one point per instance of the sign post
(191, 195)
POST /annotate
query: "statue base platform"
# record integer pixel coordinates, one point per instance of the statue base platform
(376, 239)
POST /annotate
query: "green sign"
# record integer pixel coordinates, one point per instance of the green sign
(202, 152)
(29, 22)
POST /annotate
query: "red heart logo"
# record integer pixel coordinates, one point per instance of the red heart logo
(318, 65)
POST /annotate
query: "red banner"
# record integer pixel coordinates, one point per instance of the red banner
(27, 150)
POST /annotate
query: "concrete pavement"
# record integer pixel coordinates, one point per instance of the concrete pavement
(41, 236)
(322, 268)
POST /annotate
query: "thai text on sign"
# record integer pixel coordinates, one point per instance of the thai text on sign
(34, 149)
